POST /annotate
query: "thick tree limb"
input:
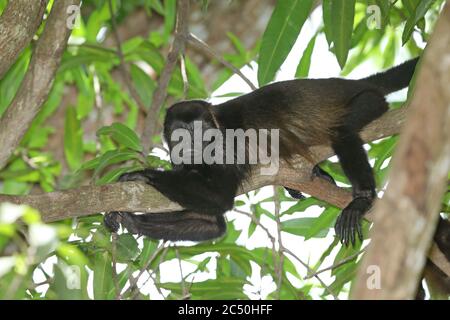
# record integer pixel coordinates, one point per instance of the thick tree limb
(138, 197)
(18, 24)
(405, 219)
(38, 80)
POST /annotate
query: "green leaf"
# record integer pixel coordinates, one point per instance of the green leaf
(127, 248)
(342, 17)
(323, 223)
(302, 226)
(328, 24)
(302, 205)
(103, 280)
(147, 251)
(143, 83)
(97, 19)
(112, 157)
(416, 15)
(123, 135)
(305, 61)
(280, 35)
(114, 174)
(169, 16)
(73, 139)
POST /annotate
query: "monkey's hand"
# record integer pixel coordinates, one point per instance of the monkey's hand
(348, 224)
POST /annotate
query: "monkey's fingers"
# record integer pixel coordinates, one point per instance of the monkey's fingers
(295, 194)
(320, 173)
(134, 176)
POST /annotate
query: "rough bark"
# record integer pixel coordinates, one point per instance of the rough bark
(38, 80)
(18, 24)
(405, 219)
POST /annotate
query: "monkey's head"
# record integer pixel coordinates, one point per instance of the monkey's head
(186, 116)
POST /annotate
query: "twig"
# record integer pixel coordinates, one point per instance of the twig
(134, 280)
(122, 65)
(336, 265)
(114, 264)
(308, 268)
(150, 275)
(280, 242)
(184, 76)
(327, 288)
(160, 94)
(183, 284)
(200, 44)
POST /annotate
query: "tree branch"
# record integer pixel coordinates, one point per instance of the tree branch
(18, 24)
(134, 196)
(406, 217)
(160, 94)
(198, 43)
(123, 67)
(38, 80)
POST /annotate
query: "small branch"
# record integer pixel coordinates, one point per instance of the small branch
(208, 50)
(123, 67)
(280, 266)
(184, 76)
(327, 288)
(114, 264)
(160, 94)
(133, 281)
(18, 24)
(184, 289)
(38, 80)
(336, 265)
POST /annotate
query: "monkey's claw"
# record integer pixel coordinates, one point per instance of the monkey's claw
(348, 224)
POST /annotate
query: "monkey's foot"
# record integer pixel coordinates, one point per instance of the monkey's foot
(112, 220)
(295, 194)
(318, 172)
(348, 224)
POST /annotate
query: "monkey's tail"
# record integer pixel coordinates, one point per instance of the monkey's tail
(394, 79)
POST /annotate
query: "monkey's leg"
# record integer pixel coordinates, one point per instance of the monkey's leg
(352, 156)
(317, 172)
(173, 226)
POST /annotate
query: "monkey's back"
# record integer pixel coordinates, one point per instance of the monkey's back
(304, 110)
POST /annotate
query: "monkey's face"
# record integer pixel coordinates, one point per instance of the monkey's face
(185, 123)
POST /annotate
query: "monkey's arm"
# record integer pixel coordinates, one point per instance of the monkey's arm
(192, 189)
(206, 199)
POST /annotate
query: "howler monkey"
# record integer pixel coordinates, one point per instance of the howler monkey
(307, 112)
